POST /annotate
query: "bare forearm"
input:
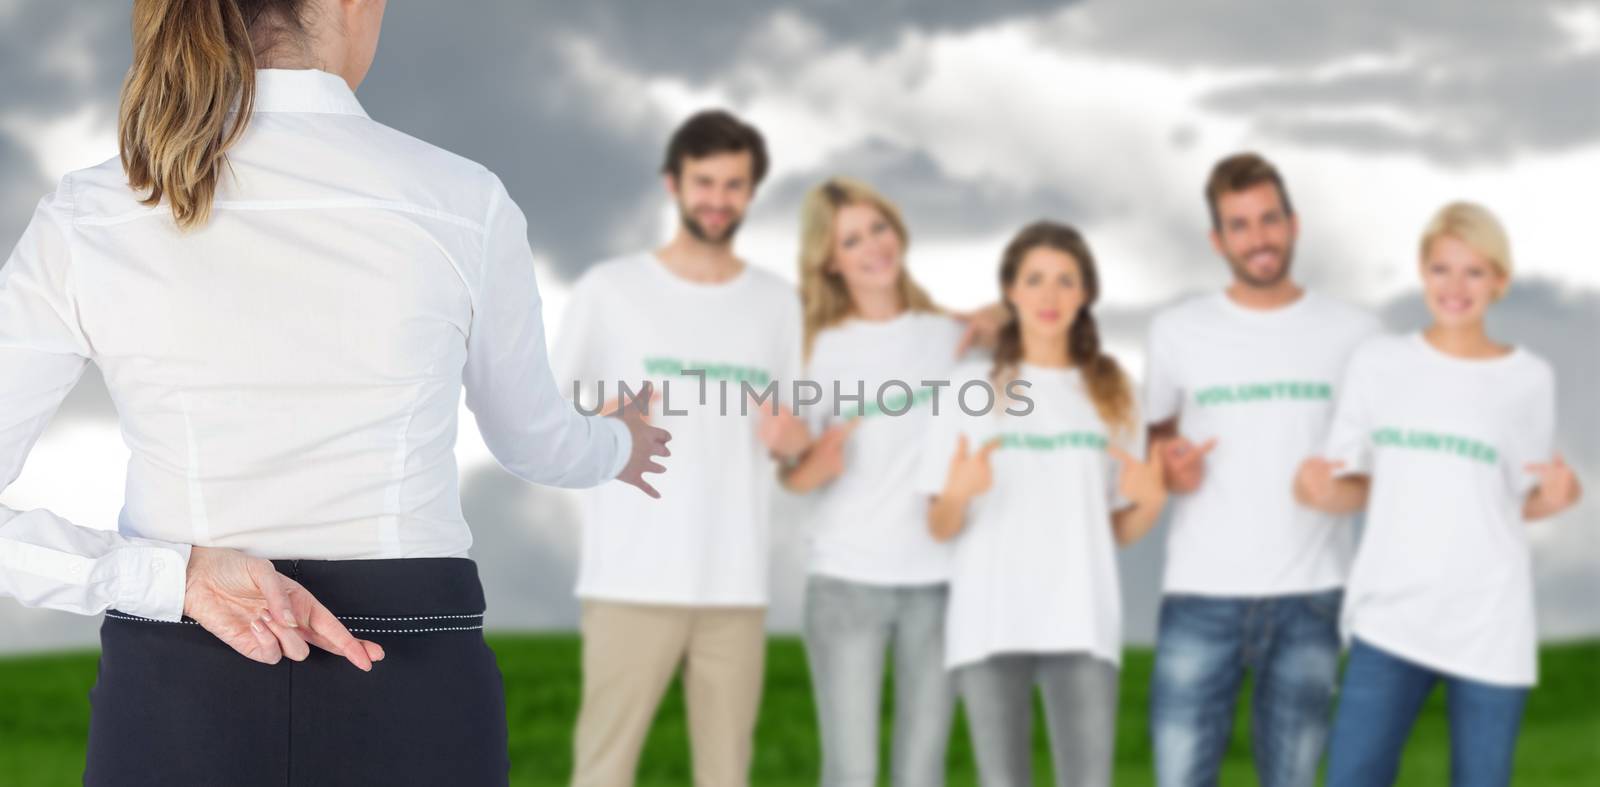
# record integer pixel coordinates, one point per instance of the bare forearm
(1132, 524)
(1348, 495)
(947, 517)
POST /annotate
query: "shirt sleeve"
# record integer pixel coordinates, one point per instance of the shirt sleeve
(572, 355)
(531, 429)
(1532, 440)
(46, 561)
(1162, 393)
(1349, 437)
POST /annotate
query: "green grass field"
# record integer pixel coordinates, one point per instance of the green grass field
(44, 720)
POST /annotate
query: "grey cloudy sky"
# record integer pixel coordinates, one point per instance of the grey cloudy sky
(976, 118)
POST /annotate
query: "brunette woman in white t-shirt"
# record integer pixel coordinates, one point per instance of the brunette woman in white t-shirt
(1035, 500)
(1446, 438)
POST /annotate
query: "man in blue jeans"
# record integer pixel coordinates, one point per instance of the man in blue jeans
(1240, 389)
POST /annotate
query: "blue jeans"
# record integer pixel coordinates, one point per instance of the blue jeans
(849, 627)
(1204, 644)
(1382, 696)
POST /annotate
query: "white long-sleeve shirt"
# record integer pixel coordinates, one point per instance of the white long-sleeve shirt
(288, 375)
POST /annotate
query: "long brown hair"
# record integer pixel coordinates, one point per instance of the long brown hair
(1108, 386)
(189, 93)
(823, 295)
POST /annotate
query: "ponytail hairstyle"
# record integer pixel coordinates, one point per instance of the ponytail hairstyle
(1109, 388)
(824, 296)
(189, 94)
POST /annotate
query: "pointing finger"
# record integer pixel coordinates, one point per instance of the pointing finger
(988, 448)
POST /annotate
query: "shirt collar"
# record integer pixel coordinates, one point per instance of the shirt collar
(304, 90)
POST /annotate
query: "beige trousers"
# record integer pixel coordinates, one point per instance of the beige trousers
(631, 652)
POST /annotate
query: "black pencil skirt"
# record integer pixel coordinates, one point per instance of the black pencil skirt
(174, 706)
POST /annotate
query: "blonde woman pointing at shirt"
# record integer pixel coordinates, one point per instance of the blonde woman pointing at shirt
(1446, 438)
(876, 578)
(286, 299)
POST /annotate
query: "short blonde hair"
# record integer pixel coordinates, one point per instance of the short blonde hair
(1475, 226)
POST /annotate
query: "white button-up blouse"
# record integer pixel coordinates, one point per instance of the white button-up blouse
(288, 375)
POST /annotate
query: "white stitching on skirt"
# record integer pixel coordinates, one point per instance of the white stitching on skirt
(414, 631)
(137, 619)
(423, 617)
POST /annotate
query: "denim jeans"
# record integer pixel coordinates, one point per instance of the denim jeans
(1204, 645)
(1381, 698)
(1080, 706)
(849, 628)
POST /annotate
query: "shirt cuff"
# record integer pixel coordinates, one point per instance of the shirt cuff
(624, 444)
(151, 580)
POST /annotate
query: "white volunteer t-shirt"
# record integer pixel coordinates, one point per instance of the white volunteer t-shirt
(1035, 569)
(705, 542)
(870, 524)
(1443, 576)
(1262, 383)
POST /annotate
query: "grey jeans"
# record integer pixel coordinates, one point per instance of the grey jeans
(1080, 705)
(849, 627)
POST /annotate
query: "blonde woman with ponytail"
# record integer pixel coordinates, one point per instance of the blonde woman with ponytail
(1035, 484)
(286, 300)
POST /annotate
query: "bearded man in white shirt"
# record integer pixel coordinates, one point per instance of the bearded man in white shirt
(1240, 389)
(682, 581)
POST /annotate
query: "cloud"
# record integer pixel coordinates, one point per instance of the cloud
(1479, 81)
(21, 186)
(550, 98)
(936, 204)
(1501, 106)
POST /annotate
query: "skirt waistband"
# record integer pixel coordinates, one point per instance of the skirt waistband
(403, 596)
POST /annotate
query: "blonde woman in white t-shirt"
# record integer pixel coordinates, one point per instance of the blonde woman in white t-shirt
(1446, 438)
(1035, 500)
(876, 579)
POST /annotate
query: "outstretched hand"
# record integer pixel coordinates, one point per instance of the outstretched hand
(648, 441)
